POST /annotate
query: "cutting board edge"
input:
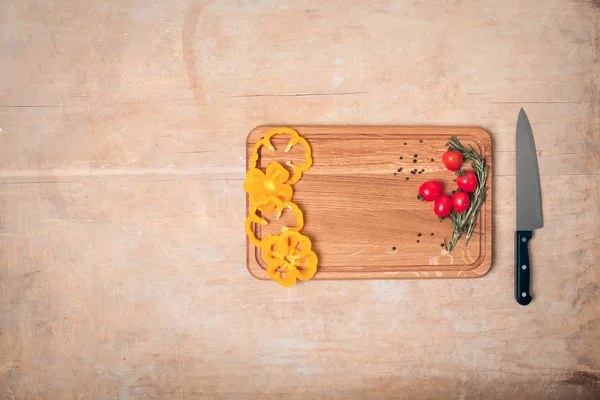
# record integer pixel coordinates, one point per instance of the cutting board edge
(259, 131)
(479, 271)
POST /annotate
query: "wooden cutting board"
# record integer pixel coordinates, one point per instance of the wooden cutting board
(360, 204)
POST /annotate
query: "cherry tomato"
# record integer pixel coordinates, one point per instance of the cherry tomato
(430, 190)
(452, 160)
(442, 206)
(467, 182)
(460, 201)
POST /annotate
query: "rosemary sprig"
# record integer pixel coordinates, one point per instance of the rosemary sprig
(465, 222)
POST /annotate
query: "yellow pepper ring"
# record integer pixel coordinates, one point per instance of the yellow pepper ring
(289, 257)
(278, 205)
(298, 169)
(261, 185)
(266, 141)
(294, 140)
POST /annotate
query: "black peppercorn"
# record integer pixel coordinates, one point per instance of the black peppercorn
(414, 161)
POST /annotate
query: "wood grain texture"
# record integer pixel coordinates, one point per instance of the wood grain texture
(360, 206)
(122, 143)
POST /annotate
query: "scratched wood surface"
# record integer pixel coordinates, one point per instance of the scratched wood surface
(360, 207)
(122, 253)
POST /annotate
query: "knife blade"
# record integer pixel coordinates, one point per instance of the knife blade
(529, 206)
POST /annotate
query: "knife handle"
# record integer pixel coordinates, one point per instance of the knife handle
(522, 267)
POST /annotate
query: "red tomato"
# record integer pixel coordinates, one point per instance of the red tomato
(430, 190)
(460, 201)
(467, 182)
(442, 206)
(452, 160)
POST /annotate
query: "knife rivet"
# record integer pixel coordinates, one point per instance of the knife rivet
(523, 240)
(523, 294)
(523, 266)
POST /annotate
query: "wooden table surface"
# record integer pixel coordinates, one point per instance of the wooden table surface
(122, 134)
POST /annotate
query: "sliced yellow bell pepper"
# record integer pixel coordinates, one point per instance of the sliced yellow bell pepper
(289, 257)
(262, 185)
(294, 140)
(274, 204)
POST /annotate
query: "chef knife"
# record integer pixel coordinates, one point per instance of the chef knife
(529, 206)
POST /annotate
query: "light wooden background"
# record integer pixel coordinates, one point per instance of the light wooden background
(123, 125)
